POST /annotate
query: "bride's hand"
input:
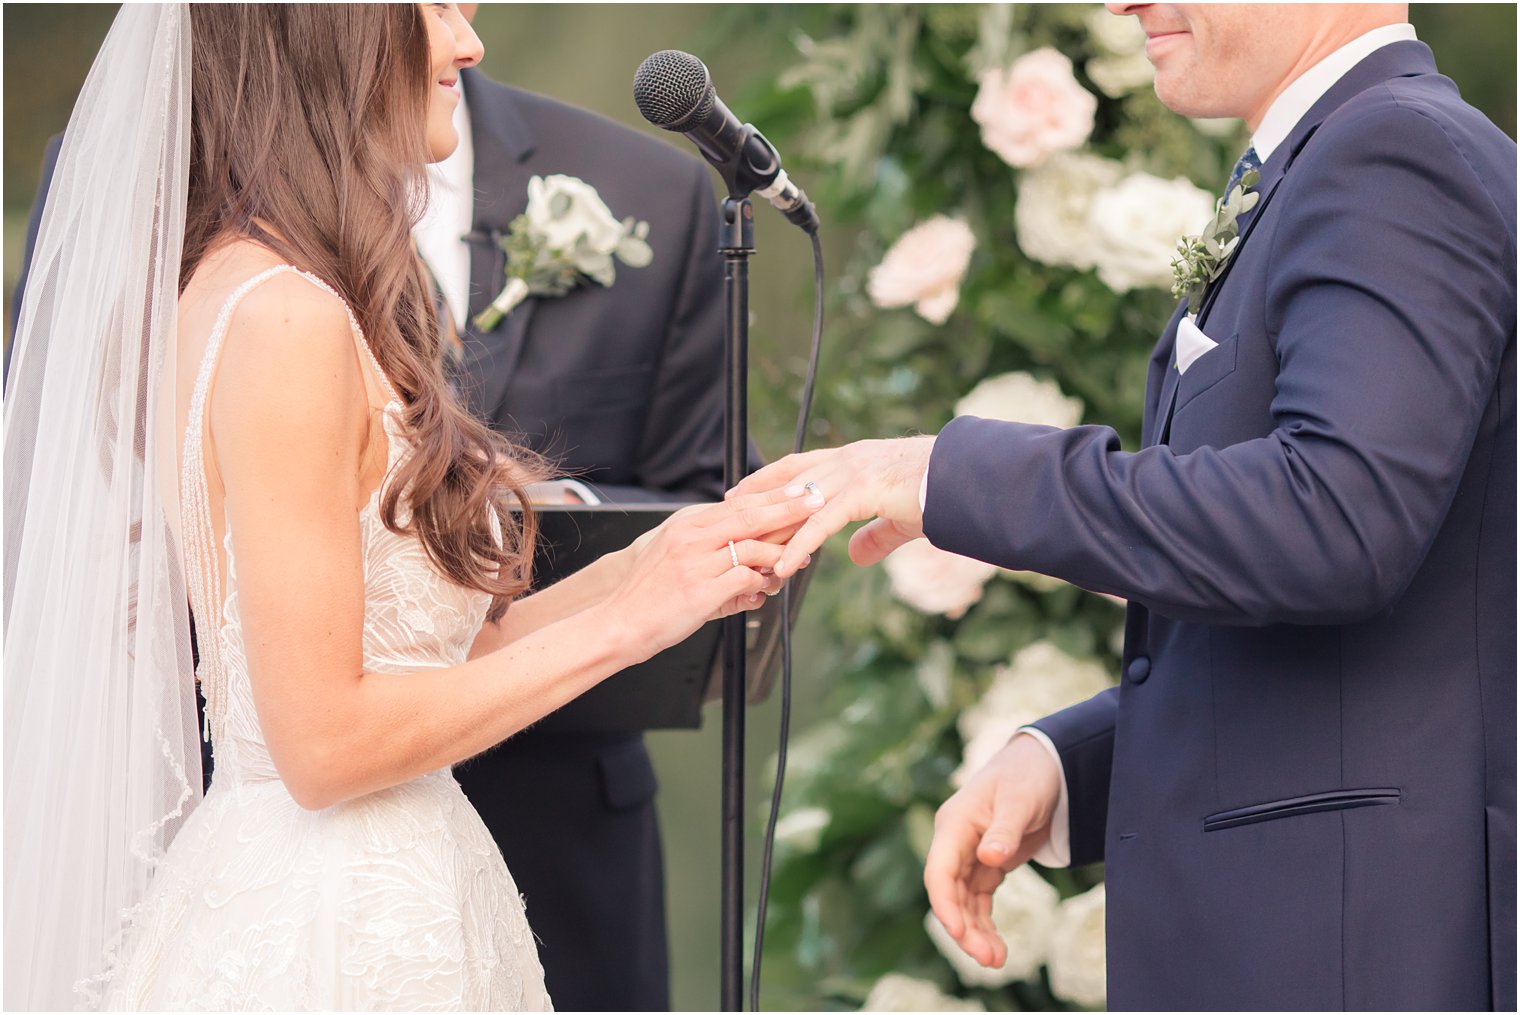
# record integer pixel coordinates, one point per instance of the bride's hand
(684, 573)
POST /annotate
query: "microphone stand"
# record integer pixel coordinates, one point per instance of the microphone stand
(736, 243)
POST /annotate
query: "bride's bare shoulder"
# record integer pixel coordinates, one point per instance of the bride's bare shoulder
(289, 348)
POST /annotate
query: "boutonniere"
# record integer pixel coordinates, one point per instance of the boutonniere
(1201, 259)
(567, 236)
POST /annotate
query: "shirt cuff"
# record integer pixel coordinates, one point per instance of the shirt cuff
(923, 492)
(1057, 849)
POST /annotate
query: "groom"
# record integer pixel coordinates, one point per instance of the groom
(620, 386)
(1304, 786)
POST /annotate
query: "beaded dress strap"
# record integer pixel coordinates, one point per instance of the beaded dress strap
(199, 533)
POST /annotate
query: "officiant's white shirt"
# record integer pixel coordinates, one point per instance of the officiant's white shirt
(450, 209)
(1281, 117)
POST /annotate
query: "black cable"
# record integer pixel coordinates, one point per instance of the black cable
(798, 440)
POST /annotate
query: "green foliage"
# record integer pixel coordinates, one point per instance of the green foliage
(1201, 259)
(878, 104)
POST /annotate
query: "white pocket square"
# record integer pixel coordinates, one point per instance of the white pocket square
(1191, 343)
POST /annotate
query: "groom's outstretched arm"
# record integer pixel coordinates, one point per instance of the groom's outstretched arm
(1385, 369)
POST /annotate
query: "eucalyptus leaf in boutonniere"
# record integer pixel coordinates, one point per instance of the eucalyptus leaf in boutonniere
(1201, 259)
(567, 236)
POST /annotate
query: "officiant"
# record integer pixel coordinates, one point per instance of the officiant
(619, 384)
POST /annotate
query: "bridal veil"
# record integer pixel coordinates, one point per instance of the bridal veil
(101, 751)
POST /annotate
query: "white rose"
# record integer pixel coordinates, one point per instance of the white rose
(1137, 224)
(924, 267)
(896, 992)
(1024, 910)
(1033, 109)
(1039, 680)
(932, 580)
(1019, 398)
(1054, 200)
(1078, 957)
(568, 215)
(1116, 35)
(1121, 66)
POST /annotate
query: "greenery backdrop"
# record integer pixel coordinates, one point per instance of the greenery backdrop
(872, 108)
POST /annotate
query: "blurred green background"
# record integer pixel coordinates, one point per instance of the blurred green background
(587, 54)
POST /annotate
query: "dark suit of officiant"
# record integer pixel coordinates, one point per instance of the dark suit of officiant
(1304, 786)
(623, 387)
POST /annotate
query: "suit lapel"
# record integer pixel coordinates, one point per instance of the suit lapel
(1400, 59)
(503, 142)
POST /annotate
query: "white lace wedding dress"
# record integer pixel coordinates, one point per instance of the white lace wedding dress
(398, 900)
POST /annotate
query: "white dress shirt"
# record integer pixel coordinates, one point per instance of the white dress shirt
(450, 209)
(1280, 119)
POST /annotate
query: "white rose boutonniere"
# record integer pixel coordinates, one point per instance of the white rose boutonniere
(567, 236)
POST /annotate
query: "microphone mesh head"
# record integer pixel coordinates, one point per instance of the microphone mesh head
(672, 88)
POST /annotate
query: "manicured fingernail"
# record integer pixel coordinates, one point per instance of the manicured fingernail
(998, 848)
(755, 597)
(813, 500)
(795, 490)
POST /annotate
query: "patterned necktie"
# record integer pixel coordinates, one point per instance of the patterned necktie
(1247, 162)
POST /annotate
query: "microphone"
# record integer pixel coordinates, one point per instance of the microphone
(674, 91)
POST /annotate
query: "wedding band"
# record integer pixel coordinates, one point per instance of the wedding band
(733, 553)
(814, 489)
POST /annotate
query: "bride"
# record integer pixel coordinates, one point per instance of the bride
(226, 390)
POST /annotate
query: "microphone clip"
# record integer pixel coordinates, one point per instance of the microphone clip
(755, 168)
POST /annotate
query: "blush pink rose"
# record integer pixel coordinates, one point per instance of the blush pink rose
(1034, 109)
(924, 267)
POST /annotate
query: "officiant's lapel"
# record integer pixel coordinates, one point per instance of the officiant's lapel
(502, 144)
(1401, 59)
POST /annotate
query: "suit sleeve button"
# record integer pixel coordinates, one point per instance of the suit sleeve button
(1139, 669)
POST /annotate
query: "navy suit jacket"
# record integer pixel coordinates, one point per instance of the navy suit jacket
(1304, 786)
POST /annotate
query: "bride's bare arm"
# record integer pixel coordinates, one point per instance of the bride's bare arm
(587, 587)
(291, 425)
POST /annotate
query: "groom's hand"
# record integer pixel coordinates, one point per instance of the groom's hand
(868, 479)
(995, 822)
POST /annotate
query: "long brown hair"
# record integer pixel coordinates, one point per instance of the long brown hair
(308, 125)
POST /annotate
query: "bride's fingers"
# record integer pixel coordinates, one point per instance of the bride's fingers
(751, 553)
(745, 517)
(740, 583)
(740, 604)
